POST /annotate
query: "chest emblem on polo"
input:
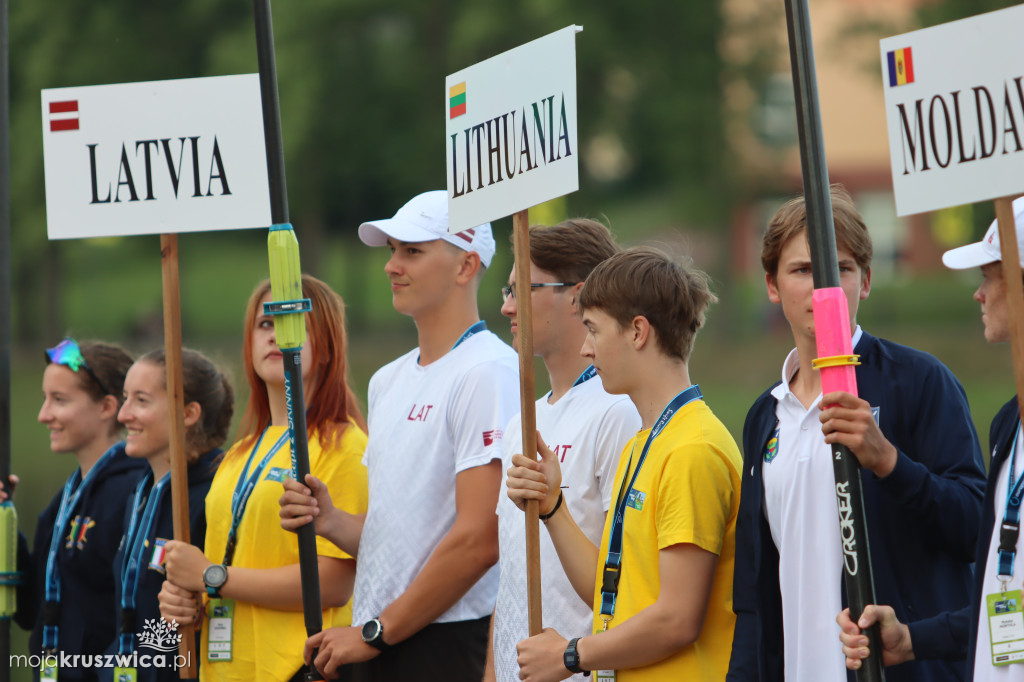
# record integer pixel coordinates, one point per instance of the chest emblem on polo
(771, 448)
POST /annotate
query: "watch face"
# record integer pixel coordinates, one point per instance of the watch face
(371, 630)
(215, 575)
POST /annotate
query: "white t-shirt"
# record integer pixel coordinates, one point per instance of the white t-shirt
(800, 504)
(587, 429)
(428, 424)
(984, 670)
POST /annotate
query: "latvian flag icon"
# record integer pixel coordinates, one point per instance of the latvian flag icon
(901, 67)
(64, 115)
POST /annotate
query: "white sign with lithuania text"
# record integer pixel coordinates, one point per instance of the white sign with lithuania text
(954, 102)
(511, 134)
(158, 157)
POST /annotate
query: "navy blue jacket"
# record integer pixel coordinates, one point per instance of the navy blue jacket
(200, 475)
(923, 518)
(86, 618)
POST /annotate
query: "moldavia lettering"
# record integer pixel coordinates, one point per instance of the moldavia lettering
(181, 155)
(510, 144)
(961, 126)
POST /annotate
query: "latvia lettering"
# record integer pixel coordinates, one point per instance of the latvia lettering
(188, 164)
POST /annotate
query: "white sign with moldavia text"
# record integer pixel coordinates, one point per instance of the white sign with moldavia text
(511, 140)
(158, 157)
(954, 101)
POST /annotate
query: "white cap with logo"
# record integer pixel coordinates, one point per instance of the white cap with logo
(425, 218)
(987, 250)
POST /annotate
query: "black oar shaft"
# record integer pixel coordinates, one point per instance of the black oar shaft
(825, 267)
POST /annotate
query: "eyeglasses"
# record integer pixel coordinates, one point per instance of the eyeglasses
(68, 353)
(508, 290)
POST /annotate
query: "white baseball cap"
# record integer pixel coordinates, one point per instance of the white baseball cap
(425, 218)
(987, 250)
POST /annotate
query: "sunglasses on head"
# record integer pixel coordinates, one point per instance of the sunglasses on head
(68, 353)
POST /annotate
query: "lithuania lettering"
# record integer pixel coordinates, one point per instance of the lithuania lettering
(510, 144)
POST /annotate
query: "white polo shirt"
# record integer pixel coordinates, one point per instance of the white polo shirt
(984, 670)
(587, 429)
(427, 425)
(800, 505)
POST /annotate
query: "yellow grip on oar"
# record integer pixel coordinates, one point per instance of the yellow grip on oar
(8, 559)
(286, 285)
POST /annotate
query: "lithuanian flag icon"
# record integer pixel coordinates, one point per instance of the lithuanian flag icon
(901, 67)
(457, 100)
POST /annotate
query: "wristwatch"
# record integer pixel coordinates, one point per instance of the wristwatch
(214, 577)
(373, 634)
(571, 658)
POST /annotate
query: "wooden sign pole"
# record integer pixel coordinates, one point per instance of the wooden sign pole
(176, 416)
(527, 396)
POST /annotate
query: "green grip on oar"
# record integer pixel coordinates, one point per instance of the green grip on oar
(286, 286)
(8, 559)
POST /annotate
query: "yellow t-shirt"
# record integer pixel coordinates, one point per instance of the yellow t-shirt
(267, 643)
(688, 492)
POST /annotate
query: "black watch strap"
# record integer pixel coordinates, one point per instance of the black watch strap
(571, 658)
(373, 634)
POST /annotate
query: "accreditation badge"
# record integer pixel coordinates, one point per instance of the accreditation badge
(1006, 626)
(604, 676)
(222, 614)
(126, 675)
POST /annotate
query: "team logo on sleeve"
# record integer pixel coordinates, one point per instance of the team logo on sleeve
(771, 448)
(491, 437)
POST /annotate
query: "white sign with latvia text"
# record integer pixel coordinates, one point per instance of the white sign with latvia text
(158, 157)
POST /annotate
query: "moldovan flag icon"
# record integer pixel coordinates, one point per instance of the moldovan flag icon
(901, 67)
(64, 115)
(457, 100)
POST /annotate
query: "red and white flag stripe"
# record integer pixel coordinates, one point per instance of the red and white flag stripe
(64, 115)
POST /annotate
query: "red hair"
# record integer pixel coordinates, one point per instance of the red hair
(331, 404)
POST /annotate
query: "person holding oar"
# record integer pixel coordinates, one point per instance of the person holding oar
(425, 589)
(250, 570)
(910, 429)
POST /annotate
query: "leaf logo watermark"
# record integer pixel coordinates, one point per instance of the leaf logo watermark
(160, 635)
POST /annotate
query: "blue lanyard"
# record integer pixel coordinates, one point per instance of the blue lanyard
(613, 562)
(68, 502)
(244, 488)
(588, 374)
(480, 326)
(476, 328)
(1009, 531)
(144, 512)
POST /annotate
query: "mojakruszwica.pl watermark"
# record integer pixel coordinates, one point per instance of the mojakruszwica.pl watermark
(157, 635)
